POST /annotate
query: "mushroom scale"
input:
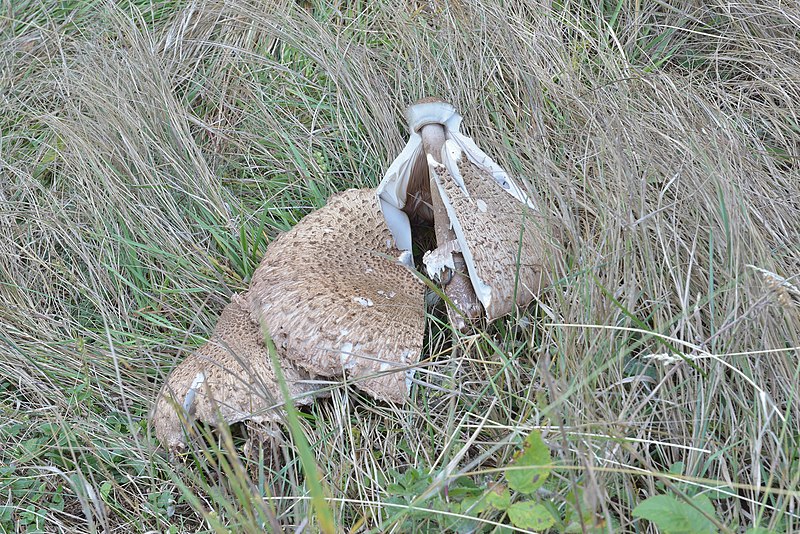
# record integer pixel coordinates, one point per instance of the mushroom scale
(338, 302)
(230, 378)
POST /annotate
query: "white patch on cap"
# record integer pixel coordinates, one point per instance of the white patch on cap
(346, 355)
(188, 401)
(436, 261)
(367, 303)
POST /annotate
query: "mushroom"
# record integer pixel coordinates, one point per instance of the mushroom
(338, 293)
(229, 379)
(484, 220)
(339, 299)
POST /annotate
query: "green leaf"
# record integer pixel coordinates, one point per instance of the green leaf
(410, 483)
(530, 515)
(472, 506)
(499, 498)
(462, 488)
(468, 509)
(525, 473)
(673, 516)
(759, 530)
(6, 514)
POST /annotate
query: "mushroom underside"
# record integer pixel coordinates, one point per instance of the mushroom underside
(490, 244)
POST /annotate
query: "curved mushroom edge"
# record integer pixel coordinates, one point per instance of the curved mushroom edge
(354, 310)
(227, 380)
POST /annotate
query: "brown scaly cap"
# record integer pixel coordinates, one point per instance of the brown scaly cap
(492, 223)
(230, 377)
(430, 100)
(337, 302)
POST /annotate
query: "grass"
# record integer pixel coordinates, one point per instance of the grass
(151, 149)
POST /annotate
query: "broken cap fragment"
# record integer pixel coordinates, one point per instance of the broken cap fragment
(228, 379)
(338, 301)
(500, 237)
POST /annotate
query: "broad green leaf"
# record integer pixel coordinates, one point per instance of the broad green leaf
(499, 498)
(530, 515)
(673, 516)
(525, 473)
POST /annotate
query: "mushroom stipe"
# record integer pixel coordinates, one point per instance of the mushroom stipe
(356, 308)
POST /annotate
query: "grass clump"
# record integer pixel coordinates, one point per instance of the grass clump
(151, 150)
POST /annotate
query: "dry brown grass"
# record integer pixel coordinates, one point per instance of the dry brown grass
(149, 151)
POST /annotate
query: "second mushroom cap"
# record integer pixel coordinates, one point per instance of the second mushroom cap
(337, 300)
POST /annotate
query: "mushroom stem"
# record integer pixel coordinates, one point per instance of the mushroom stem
(433, 140)
(459, 288)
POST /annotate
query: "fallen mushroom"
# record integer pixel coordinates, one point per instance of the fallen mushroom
(338, 293)
(339, 300)
(492, 222)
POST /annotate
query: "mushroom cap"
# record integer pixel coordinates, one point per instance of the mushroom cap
(230, 377)
(336, 300)
(499, 236)
(496, 224)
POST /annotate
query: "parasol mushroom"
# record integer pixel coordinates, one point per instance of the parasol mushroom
(484, 220)
(338, 293)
